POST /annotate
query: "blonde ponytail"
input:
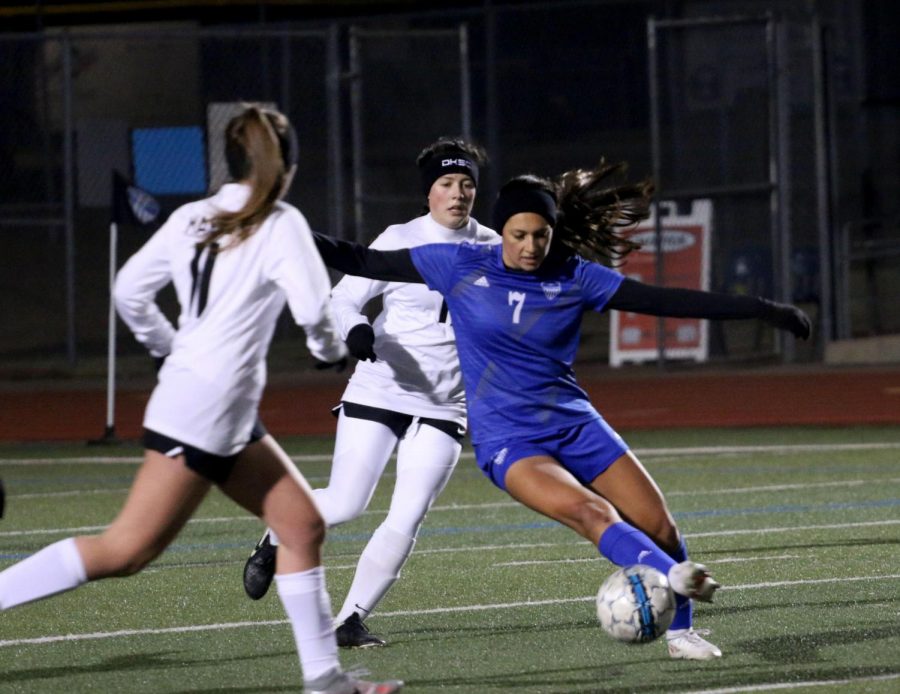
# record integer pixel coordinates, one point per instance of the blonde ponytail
(255, 157)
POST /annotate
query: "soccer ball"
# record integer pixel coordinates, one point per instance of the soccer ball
(636, 604)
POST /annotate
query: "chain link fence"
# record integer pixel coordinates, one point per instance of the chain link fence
(545, 88)
(735, 123)
(150, 104)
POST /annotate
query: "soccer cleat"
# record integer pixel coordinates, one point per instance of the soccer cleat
(342, 683)
(354, 634)
(260, 568)
(687, 644)
(693, 581)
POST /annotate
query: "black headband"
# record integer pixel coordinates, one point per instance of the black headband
(516, 200)
(454, 161)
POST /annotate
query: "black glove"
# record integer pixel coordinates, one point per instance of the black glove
(787, 317)
(361, 342)
(338, 366)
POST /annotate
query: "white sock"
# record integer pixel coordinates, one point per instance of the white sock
(308, 608)
(377, 570)
(54, 569)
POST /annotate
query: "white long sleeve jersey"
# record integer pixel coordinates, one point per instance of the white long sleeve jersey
(213, 377)
(417, 372)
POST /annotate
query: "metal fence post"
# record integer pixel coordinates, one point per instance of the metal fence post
(335, 151)
(465, 83)
(824, 219)
(783, 245)
(491, 102)
(357, 135)
(69, 197)
(656, 145)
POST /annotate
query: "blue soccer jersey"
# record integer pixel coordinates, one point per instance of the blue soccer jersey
(517, 334)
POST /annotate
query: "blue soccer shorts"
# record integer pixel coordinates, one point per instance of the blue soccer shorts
(585, 450)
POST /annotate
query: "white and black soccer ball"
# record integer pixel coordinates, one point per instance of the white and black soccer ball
(636, 604)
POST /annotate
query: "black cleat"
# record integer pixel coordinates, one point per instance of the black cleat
(354, 634)
(260, 568)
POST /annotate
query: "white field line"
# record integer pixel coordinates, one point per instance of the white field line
(75, 460)
(503, 504)
(580, 543)
(776, 686)
(714, 533)
(73, 492)
(768, 448)
(468, 455)
(783, 487)
(573, 543)
(139, 632)
(400, 613)
(718, 533)
(723, 560)
(562, 601)
(828, 526)
(647, 452)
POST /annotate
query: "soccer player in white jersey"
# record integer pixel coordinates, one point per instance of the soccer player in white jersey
(406, 393)
(235, 259)
(517, 313)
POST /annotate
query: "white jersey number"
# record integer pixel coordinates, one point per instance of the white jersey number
(517, 299)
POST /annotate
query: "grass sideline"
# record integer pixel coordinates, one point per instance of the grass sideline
(800, 525)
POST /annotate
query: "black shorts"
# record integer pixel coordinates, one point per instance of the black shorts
(215, 468)
(397, 422)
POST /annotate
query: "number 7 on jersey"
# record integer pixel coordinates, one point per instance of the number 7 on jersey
(518, 300)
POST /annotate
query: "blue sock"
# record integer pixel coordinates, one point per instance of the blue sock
(684, 613)
(624, 545)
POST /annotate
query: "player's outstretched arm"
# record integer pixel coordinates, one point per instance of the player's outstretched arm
(638, 297)
(356, 259)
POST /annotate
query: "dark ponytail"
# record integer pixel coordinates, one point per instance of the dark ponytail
(592, 209)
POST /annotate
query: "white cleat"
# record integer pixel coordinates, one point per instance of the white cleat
(342, 683)
(687, 644)
(693, 581)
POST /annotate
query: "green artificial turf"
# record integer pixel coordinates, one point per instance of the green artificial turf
(801, 526)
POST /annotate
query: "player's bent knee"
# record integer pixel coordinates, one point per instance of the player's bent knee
(315, 531)
(303, 534)
(588, 516)
(344, 511)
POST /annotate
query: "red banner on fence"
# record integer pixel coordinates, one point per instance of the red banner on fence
(685, 247)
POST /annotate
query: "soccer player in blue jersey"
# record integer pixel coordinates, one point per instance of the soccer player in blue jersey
(516, 311)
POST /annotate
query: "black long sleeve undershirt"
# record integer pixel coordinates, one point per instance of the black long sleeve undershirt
(636, 297)
(648, 299)
(356, 259)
